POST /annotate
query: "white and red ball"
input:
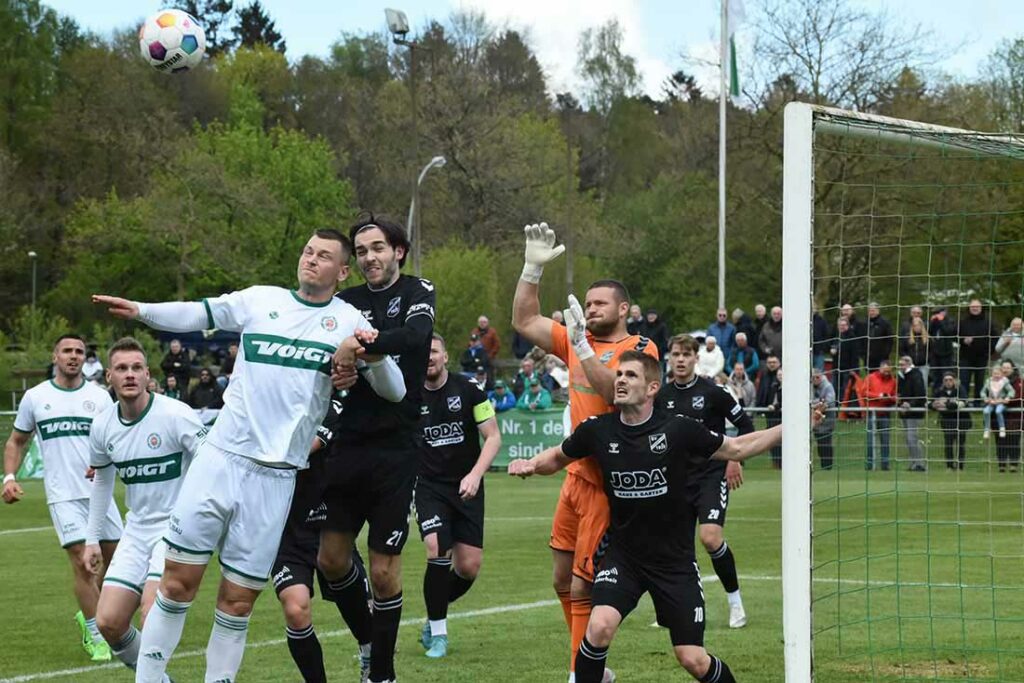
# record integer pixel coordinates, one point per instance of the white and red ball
(172, 41)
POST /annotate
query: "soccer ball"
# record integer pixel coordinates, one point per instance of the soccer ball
(172, 41)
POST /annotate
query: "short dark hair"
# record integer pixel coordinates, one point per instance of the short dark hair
(686, 341)
(394, 233)
(68, 335)
(125, 344)
(652, 368)
(439, 338)
(335, 235)
(620, 289)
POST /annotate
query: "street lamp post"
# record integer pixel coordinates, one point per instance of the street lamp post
(398, 24)
(414, 216)
(33, 256)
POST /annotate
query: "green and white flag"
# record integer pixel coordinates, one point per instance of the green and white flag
(735, 15)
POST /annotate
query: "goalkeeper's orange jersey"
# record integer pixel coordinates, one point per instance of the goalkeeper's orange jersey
(584, 401)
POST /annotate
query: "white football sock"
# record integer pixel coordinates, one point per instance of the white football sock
(226, 647)
(160, 637)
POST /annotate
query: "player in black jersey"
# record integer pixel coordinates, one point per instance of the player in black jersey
(703, 400)
(648, 459)
(373, 462)
(295, 565)
(450, 489)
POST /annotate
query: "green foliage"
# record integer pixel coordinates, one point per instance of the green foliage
(466, 289)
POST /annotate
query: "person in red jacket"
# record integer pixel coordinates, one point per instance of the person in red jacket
(879, 392)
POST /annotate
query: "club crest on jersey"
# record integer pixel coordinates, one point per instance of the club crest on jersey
(606, 356)
(89, 406)
(153, 441)
(455, 403)
(698, 402)
(394, 306)
(330, 323)
(659, 443)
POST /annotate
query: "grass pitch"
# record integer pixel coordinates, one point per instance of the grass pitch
(937, 557)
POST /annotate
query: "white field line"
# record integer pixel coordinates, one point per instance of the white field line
(28, 530)
(413, 621)
(501, 609)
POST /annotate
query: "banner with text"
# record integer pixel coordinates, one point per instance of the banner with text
(32, 465)
(525, 433)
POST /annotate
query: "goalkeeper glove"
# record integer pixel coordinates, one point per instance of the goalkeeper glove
(576, 326)
(540, 250)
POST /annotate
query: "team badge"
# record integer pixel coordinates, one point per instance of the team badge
(153, 441)
(455, 403)
(698, 402)
(273, 315)
(659, 443)
(393, 306)
(606, 356)
(89, 406)
(330, 323)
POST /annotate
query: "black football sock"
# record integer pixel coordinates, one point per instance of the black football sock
(435, 587)
(387, 615)
(307, 653)
(590, 662)
(725, 566)
(718, 672)
(352, 599)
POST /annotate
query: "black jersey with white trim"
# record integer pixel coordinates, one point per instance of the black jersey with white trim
(706, 402)
(403, 313)
(647, 469)
(451, 439)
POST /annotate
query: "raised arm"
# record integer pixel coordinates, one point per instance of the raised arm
(526, 317)
(740, 448)
(547, 462)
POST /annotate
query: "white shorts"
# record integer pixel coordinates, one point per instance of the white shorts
(71, 519)
(235, 506)
(139, 557)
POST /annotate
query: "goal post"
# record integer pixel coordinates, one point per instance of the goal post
(914, 573)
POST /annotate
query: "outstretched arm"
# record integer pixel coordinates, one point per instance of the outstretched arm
(549, 461)
(173, 316)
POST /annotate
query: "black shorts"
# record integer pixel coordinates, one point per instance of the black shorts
(295, 565)
(676, 592)
(710, 496)
(371, 485)
(439, 510)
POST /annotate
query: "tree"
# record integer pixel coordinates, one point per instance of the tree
(28, 51)
(1005, 75)
(836, 52)
(213, 16)
(608, 72)
(256, 27)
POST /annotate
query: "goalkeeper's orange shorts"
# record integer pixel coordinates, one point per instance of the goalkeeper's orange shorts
(580, 525)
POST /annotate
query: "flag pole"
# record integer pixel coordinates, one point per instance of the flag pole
(723, 94)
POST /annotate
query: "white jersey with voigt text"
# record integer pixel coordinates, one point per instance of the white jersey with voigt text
(151, 454)
(281, 383)
(61, 420)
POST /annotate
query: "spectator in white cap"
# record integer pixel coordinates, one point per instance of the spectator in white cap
(710, 360)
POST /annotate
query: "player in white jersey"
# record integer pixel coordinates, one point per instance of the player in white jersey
(59, 413)
(236, 495)
(149, 441)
